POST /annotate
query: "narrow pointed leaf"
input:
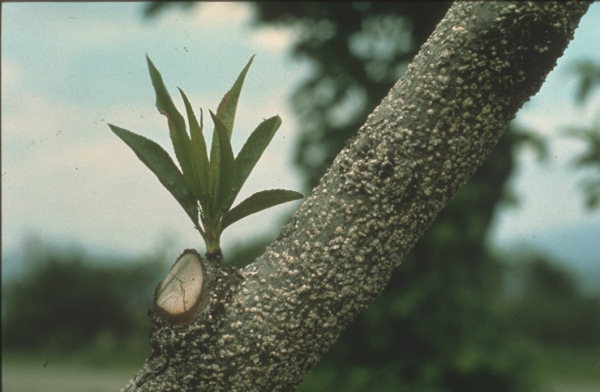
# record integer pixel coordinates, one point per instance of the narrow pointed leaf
(225, 167)
(258, 202)
(226, 114)
(197, 154)
(228, 104)
(214, 166)
(252, 151)
(165, 106)
(161, 164)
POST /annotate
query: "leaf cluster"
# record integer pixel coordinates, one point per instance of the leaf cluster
(207, 184)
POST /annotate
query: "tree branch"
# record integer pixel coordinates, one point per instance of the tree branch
(263, 327)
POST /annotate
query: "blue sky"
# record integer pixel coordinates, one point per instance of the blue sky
(70, 68)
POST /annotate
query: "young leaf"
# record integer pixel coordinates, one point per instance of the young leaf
(258, 202)
(166, 107)
(228, 105)
(214, 166)
(161, 164)
(226, 114)
(225, 167)
(197, 154)
(252, 151)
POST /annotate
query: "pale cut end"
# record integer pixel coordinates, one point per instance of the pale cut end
(177, 298)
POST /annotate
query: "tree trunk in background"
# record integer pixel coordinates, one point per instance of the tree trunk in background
(263, 327)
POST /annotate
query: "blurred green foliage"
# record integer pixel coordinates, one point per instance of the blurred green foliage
(357, 51)
(549, 308)
(588, 74)
(65, 301)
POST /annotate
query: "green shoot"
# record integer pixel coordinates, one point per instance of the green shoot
(206, 185)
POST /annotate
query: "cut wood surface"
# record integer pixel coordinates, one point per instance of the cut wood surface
(178, 297)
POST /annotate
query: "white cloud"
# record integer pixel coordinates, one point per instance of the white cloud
(12, 73)
(33, 118)
(272, 39)
(217, 14)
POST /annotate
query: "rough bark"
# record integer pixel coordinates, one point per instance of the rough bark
(263, 327)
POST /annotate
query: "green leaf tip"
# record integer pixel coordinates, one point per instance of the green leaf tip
(206, 183)
(177, 132)
(228, 105)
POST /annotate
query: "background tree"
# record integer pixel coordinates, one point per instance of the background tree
(550, 308)
(67, 301)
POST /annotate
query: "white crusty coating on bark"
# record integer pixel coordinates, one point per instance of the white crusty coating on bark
(266, 327)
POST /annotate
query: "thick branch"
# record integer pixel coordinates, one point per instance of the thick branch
(264, 327)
